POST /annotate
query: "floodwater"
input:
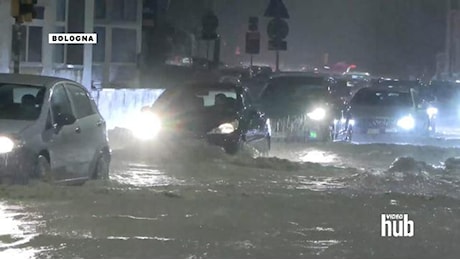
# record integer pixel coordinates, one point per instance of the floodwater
(194, 201)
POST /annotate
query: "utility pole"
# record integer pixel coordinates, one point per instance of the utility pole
(17, 38)
(448, 39)
(22, 11)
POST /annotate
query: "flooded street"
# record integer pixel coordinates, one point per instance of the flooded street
(322, 201)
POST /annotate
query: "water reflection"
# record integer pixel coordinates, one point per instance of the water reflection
(17, 229)
(140, 175)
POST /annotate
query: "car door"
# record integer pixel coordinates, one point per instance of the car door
(90, 124)
(257, 126)
(63, 141)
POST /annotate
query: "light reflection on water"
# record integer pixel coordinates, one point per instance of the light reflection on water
(16, 230)
(142, 176)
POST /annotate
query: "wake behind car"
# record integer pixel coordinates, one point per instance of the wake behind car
(386, 111)
(50, 128)
(300, 106)
(220, 113)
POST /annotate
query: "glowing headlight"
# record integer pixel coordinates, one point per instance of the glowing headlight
(317, 114)
(226, 128)
(351, 122)
(407, 123)
(146, 126)
(432, 111)
(6, 145)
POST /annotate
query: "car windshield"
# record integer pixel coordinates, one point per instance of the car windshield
(199, 98)
(381, 98)
(20, 102)
(292, 89)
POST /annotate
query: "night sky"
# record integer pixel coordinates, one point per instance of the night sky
(384, 36)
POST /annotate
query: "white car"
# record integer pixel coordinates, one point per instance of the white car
(50, 128)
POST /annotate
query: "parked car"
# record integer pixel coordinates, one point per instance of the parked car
(222, 113)
(300, 106)
(50, 128)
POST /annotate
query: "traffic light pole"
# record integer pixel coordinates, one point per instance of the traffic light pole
(16, 46)
(277, 61)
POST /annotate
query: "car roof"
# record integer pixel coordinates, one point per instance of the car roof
(296, 74)
(209, 85)
(387, 89)
(33, 80)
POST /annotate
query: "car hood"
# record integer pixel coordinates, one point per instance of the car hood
(298, 108)
(379, 112)
(198, 122)
(13, 126)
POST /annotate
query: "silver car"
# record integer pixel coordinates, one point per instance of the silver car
(51, 129)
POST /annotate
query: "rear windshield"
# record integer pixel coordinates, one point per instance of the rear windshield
(21, 102)
(367, 97)
(197, 98)
(290, 89)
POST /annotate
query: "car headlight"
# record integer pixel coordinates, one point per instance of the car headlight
(432, 111)
(146, 126)
(317, 114)
(407, 122)
(225, 128)
(351, 122)
(6, 145)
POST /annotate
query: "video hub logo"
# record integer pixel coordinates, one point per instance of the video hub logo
(397, 225)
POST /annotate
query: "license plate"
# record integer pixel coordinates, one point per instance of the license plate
(373, 131)
(391, 130)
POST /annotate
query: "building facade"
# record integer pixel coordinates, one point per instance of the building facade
(112, 62)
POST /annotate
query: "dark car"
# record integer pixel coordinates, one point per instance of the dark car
(382, 110)
(50, 128)
(300, 106)
(221, 113)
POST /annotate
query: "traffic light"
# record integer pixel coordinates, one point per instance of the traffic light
(253, 24)
(209, 22)
(23, 10)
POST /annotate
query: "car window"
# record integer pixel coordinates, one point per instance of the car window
(292, 89)
(198, 98)
(20, 102)
(81, 101)
(60, 103)
(382, 98)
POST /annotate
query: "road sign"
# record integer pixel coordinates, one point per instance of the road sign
(277, 45)
(253, 24)
(209, 22)
(252, 42)
(276, 8)
(277, 29)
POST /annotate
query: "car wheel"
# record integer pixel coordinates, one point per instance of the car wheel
(101, 172)
(267, 147)
(348, 135)
(326, 134)
(43, 169)
(233, 148)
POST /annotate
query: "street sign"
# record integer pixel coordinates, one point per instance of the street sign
(276, 8)
(252, 42)
(277, 45)
(253, 24)
(209, 22)
(277, 29)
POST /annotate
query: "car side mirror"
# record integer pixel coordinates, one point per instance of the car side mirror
(65, 119)
(146, 108)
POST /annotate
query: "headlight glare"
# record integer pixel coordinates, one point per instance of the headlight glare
(146, 126)
(317, 114)
(407, 123)
(432, 111)
(226, 128)
(6, 145)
